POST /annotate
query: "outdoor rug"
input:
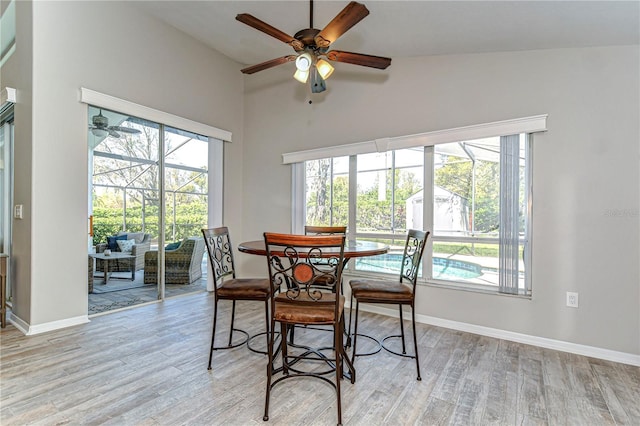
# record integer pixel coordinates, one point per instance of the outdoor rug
(116, 284)
(96, 309)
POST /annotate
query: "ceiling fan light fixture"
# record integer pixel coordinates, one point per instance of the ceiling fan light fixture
(324, 68)
(301, 76)
(101, 133)
(304, 61)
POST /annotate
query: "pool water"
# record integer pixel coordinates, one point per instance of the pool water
(443, 268)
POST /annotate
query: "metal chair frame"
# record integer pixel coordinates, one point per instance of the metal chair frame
(220, 254)
(293, 270)
(412, 255)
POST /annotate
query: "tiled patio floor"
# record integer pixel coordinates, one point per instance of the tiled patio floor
(100, 302)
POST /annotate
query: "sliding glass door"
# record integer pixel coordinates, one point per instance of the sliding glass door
(124, 160)
(185, 165)
(148, 203)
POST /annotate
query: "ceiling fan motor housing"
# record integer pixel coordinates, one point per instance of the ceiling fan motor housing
(100, 121)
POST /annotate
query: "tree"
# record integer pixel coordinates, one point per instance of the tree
(327, 204)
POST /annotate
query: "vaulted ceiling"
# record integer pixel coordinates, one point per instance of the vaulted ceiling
(408, 28)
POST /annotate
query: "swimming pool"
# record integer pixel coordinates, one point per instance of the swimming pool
(443, 268)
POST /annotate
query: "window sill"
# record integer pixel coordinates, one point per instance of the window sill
(449, 285)
(475, 288)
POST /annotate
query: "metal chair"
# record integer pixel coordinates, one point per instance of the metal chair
(228, 287)
(296, 300)
(401, 292)
(327, 230)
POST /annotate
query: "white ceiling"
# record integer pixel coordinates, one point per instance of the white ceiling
(408, 28)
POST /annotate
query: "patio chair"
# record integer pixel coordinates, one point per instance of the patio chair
(401, 292)
(141, 245)
(182, 265)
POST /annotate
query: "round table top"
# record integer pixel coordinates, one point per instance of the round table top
(352, 248)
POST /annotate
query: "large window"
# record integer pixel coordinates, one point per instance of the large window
(472, 195)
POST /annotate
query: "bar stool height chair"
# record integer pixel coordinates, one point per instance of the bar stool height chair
(296, 300)
(401, 293)
(228, 287)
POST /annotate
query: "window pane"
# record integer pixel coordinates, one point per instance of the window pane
(125, 174)
(466, 206)
(327, 191)
(408, 192)
(385, 263)
(186, 183)
(389, 198)
(467, 187)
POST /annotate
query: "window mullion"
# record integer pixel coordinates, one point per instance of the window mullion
(427, 210)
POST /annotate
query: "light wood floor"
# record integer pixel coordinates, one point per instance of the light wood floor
(147, 366)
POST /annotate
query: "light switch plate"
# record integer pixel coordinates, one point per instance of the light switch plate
(17, 211)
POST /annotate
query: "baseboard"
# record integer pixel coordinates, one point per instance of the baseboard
(29, 330)
(559, 345)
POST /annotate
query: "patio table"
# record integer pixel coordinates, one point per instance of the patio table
(114, 256)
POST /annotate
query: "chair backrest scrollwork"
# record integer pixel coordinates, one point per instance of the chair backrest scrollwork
(220, 253)
(294, 269)
(413, 250)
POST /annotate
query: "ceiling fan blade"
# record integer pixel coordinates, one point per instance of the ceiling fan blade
(124, 129)
(353, 13)
(259, 25)
(268, 64)
(114, 134)
(359, 59)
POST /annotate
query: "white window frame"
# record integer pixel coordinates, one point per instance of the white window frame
(527, 125)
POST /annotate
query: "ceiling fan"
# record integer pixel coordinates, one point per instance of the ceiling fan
(312, 46)
(100, 127)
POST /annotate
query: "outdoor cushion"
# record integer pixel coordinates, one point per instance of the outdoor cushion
(126, 245)
(111, 241)
(173, 246)
(137, 236)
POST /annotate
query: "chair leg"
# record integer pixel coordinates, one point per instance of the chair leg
(415, 341)
(269, 370)
(266, 322)
(283, 332)
(338, 349)
(213, 332)
(404, 348)
(350, 313)
(355, 334)
(233, 316)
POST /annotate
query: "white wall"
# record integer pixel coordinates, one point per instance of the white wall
(112, 48)
(585, 171)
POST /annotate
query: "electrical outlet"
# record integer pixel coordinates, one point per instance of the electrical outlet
(572, 299)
